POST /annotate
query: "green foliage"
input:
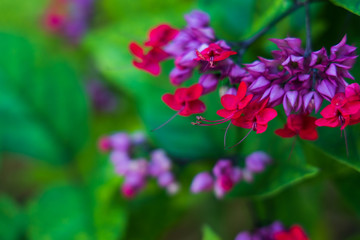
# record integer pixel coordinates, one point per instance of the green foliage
(12, 219)
(288, 167)
(43, 106)
(350, 5)
(209, 234)
(67, 212)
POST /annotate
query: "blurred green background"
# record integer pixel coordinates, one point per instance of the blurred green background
(55, 184)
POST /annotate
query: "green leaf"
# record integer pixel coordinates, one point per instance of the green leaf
(60, 213)
(346, 185)
(43, 105)
(11, 219)
(288, 167)
(209, 234)
(350, 5)
(332, 143)
(74, 212)
(109, 215)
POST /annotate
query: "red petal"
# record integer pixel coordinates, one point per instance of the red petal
(224, 113)
(244, 102)
(298, 233)
(153, 68)
(242, 122)
(285, 132)
(241, 90)
(351, 108)
(266, 115)
(309, 134)
(157, 55)
(338, 100)
(224, 55)
(260, 128)
(193, 107)
(329, 111)
(188, 94)
(328, 122)
(229, 102)
(161, 35)
(194, 92)
(170, 100)
(136, 50)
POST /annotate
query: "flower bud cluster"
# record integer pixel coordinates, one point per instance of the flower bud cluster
(137, 170)
(225, 175)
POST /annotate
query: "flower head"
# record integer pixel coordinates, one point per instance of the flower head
(186, 100)
(302, 125)
(214, 53)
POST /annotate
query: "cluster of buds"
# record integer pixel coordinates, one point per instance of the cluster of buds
(69, 18)
(275, 231)
(224, 175)
(137, 170)
(299, 80)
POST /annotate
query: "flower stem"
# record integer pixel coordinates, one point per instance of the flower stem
(308, 29)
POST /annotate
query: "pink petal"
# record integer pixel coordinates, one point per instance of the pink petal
(170, 100)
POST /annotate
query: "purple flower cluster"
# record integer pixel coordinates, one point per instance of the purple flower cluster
(197, 36)
(137, 170)
(224, 175)
(69, 18)
(297, 81)
(264, 233)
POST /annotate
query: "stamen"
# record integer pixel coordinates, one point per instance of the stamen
(241, 139)
(211, 61)
(227, 128)
(167, 121)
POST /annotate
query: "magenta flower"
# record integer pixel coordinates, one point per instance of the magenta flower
(186, 100)
(214, 53)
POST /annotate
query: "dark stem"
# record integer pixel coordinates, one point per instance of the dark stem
(308, 29)
(297, 4)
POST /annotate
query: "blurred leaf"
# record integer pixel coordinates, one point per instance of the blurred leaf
(71, 212)
(230, 19)
(43, 107)
(346, 185)
(266, 11)
(110, 217)
(302, 205)
(350, 5)
(11, 219)
(209, 234)
(60, 213)
(334, 145)
(288, 167)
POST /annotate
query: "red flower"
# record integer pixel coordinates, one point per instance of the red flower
(213, 53)
(234, 104)
(302, 125)
(158, 37)
(343, 109)
(255, 116)
(186, 100)
(161, 35)
(150, 61)
(294, 233)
